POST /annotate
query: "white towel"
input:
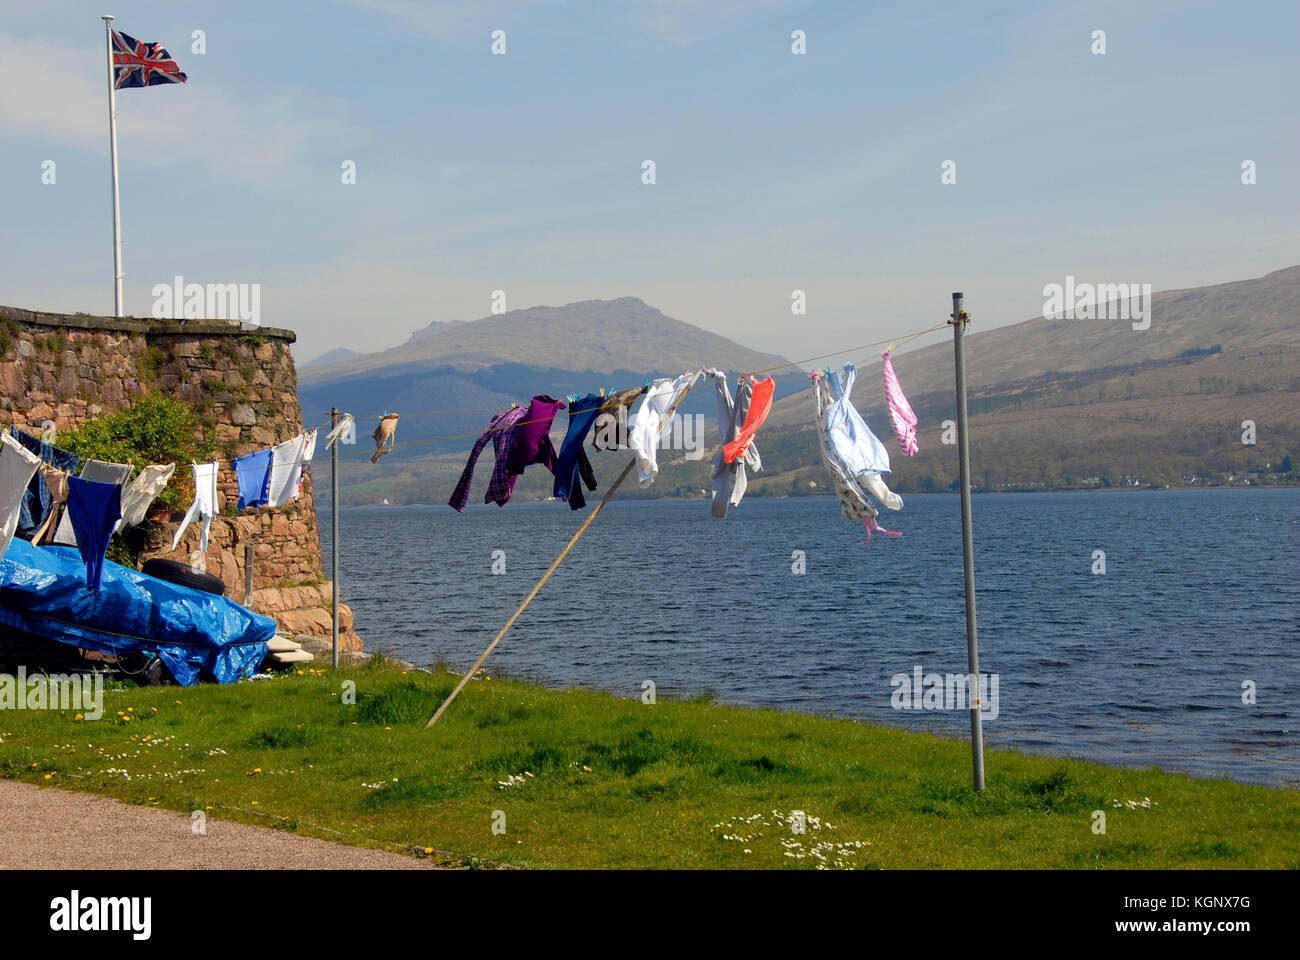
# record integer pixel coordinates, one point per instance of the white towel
(142, 491)
(17, 466)
(286, 467)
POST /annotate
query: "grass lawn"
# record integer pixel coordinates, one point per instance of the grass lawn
(582, 779)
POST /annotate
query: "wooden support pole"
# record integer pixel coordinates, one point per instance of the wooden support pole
(555, 565)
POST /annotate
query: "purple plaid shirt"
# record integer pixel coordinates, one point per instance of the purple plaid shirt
(501, 432)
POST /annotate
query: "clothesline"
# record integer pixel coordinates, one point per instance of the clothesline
(897, 341)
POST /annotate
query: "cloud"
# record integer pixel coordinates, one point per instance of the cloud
(62, 98)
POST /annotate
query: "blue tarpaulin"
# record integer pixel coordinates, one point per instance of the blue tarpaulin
(195, 634)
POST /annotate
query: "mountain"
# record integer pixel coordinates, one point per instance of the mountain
(597, 335)
(329, 356)
(448, 378)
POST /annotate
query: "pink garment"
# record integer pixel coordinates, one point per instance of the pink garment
(901, 416)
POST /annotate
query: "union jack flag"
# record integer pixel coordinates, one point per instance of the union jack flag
(137, 64)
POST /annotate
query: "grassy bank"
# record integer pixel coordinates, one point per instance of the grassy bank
(587, 780)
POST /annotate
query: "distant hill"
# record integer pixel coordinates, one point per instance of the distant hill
(484, 365)
(329, 356)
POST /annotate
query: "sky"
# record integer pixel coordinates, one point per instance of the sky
(774, 171)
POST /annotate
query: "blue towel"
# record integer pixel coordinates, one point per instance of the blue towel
(253, 471)
(94, 509)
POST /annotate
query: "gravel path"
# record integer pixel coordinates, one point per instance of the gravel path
(51, 829)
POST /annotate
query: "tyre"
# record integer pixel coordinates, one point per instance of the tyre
(180, 574)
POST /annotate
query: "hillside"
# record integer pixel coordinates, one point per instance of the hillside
(1055, 402)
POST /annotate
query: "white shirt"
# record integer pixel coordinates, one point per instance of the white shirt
(644, 427)
(205, 502)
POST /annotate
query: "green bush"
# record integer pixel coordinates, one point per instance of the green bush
(154, 430)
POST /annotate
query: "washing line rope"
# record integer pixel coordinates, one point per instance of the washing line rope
(899, 340)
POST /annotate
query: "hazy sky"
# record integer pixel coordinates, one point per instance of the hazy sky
(774, 171)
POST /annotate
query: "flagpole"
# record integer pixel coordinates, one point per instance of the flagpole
(112, 142)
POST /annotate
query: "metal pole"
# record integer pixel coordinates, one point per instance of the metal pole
(112, 149)
(248, 575)
(334, 534)
(959, 320)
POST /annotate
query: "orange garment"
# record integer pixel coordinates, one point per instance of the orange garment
(760, 405)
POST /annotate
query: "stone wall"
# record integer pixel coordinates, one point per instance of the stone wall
(243, 387)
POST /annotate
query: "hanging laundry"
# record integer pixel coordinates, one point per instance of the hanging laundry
(730, 480)
(572, 468)
(901, 416)
(611, 423)
(385, 433)
(253, 474)
(205, 502)
(860, 452)
(344, 432)
(532, 436)
(142, 491)
(874, 484)
(17, 467)
(760, 405)
(56, 481)
(854, 504)
(100, 472)
(37, 505)
(94, 509)
(286, 469)
(501, 433)
(643, 435)
(308, 451)
(858, 448)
